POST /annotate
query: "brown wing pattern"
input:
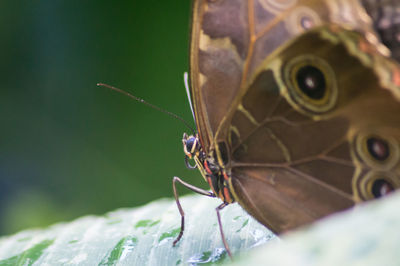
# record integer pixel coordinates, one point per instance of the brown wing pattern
(294, 161)
(296, 155)
(231, 37)
(218, 49)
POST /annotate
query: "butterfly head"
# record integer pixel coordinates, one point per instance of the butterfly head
(191, 145)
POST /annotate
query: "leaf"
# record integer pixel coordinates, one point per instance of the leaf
(366, 235)
(140, 236)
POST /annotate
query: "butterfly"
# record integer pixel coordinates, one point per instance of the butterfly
(297, 106)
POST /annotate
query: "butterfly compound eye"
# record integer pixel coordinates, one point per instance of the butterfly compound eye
(191, 145)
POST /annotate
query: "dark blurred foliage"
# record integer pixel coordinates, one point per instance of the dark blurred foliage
(69, 148)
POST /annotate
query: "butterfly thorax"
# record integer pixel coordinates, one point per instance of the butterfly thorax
(213, 173)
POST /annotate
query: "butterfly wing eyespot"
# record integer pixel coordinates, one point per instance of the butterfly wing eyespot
(310, 81)
(379, 153)
(301, 19)
(376, 184)
(311, 84)
(377, 150)
(381, 187)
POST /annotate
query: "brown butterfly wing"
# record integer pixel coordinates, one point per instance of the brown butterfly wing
(291, 162)
(295, 159)
(229, 39)
(217, 52)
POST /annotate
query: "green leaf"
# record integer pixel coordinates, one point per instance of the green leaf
(29, 256)
(366, 235)
(140, 236)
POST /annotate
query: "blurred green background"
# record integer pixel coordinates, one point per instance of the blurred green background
(69, 148)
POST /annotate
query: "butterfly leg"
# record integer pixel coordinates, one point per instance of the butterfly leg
(192, 188)
(218, 209)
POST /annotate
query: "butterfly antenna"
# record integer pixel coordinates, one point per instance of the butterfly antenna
(148, 104)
